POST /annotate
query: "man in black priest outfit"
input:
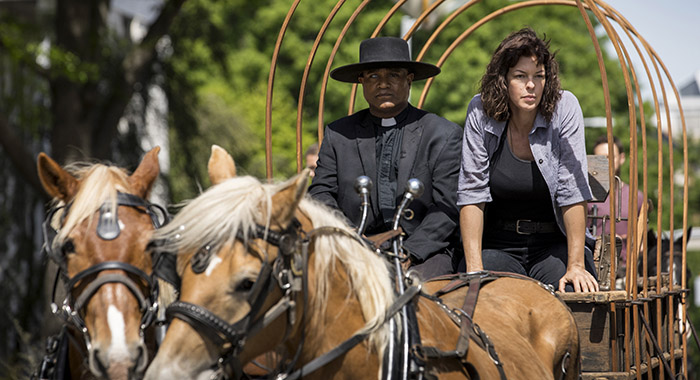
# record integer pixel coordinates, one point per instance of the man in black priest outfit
(391, 142)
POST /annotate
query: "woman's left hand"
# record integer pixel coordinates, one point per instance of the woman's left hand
(580, 279)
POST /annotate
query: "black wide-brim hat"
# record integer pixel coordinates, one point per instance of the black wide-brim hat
(384, 53)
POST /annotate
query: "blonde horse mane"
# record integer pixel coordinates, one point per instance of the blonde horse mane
(99, 184)
(217, 215)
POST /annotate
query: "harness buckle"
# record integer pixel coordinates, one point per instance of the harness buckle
(297, 265)
(413, 278)
(417, 351)
(284, 279)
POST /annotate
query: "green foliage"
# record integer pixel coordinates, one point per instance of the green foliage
(568, 36)
(24, 43)
(218, 82)
(223, 50)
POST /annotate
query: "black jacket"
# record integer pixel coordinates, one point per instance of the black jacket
(431, 150)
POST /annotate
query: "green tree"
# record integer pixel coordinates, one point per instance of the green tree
(228, 58)
(67, 78)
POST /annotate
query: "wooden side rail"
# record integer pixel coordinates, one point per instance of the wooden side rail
(598, 177)
(599, 180)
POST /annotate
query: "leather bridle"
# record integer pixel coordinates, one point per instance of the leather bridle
(71, 308)
(286, 272)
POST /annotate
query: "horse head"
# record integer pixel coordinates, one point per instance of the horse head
(229, 242)
(97, 233)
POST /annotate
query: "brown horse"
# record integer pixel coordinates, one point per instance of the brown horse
(97, 234)
(262, 266)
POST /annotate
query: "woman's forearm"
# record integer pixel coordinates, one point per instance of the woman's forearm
(575, 226)
(471, 225)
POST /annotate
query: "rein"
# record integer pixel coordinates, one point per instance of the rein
(287, 273)
(71, 309)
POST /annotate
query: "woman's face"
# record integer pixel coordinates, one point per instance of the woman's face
(525, 85)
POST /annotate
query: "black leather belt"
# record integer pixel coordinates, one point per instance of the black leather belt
(527, 227)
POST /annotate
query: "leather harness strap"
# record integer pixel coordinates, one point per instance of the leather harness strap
(468, 329)
(351, 342)
(467, 313)
(376, 241)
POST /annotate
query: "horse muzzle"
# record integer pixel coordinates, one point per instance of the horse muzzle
(119, 365)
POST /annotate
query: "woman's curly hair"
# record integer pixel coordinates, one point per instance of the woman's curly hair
(494, 85)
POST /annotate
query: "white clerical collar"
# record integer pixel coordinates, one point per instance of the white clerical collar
(389, 122)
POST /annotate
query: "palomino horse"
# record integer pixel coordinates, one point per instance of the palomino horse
(263, 266)
(97, 234)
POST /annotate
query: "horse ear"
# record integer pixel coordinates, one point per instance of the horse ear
(679, 240)
(221, 166)
(57, 182)
(142, 179)
(285, 202)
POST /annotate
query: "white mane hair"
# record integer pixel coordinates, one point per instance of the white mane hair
(217, 215)
(99, 184)
(368, 272)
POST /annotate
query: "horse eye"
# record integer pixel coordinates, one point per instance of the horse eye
(245, 285)
(68, 247)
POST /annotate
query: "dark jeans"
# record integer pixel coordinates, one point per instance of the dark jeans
(541, 256)
(438, 264)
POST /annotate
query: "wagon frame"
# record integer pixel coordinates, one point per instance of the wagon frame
(617, 337)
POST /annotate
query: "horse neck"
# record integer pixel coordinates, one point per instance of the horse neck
(340, 319)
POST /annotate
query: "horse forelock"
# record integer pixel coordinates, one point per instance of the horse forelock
(99, 184)
(216, 216)
(368, 273)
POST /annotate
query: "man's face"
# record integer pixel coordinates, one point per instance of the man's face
(386, 90)
(618, 159)
(311, 163)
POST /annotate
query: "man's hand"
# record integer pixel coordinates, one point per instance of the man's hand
(406, 264)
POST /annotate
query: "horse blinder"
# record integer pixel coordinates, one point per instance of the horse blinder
(200, 260)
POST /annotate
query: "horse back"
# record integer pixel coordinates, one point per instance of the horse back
(532, 330)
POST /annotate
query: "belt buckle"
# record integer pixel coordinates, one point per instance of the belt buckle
(517, 226)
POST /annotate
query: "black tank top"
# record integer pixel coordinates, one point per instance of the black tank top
(518, 190)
